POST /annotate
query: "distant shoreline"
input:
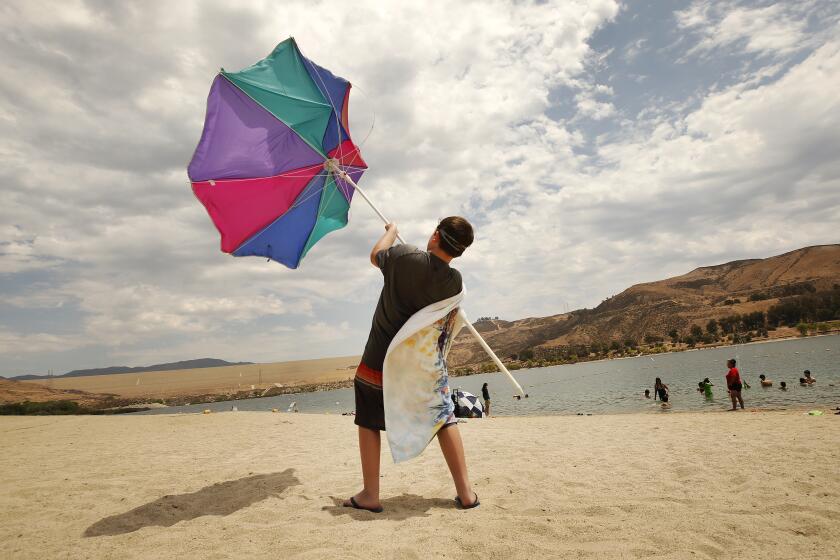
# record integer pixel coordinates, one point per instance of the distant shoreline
(304, 387)
(317, 387)
(640, 355)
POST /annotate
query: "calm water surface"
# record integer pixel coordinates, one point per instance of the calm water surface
(613, 386)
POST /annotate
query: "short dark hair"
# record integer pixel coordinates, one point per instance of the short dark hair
(731, 360)
(456, 234)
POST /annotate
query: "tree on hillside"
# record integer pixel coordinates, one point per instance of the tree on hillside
(753, 321)
(712, 327)
(806, 308)
(696, 331)
(730, 324)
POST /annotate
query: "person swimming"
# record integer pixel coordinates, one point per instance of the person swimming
(647, 393)
(808, 379)
(783, 386)
(802, 382)
(764, 381)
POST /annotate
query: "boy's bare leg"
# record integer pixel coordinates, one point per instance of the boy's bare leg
(370, 443)
(453, 451)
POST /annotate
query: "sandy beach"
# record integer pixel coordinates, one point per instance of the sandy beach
(260, 485)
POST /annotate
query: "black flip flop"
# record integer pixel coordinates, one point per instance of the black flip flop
(355, 505)
(460, 505)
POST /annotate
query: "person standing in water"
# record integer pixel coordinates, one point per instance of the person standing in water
(733, 383)
(660, 390)
(485, 393)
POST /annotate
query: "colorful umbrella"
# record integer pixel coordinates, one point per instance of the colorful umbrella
(275, 166)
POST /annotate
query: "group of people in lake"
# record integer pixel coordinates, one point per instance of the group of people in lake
(734, 385)
(803, 381)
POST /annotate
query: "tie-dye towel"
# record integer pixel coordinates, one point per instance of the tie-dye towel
(415, 380)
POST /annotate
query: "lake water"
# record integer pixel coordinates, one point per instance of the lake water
(613, 386)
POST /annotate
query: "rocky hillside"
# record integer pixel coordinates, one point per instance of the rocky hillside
(655, 309)
(16, 391)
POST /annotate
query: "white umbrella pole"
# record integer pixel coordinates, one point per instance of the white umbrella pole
(332, 166)
(490, 352)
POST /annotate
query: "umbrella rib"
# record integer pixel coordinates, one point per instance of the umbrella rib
(294, 205)
(284, 94)
(292, 173)
(326, 94)
(308, 143)
(304, 197)
(321, 204)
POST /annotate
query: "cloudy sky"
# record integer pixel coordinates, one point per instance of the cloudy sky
(593, 144)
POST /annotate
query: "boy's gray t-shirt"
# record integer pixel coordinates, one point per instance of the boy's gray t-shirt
(413, 280)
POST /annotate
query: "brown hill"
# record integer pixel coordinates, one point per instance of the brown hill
(657, 308)
(17, 391)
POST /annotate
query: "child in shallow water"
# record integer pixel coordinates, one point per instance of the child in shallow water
(707, 388)
(783, 386)
(764, 381)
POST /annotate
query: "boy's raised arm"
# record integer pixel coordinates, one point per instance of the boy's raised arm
(385, 242)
